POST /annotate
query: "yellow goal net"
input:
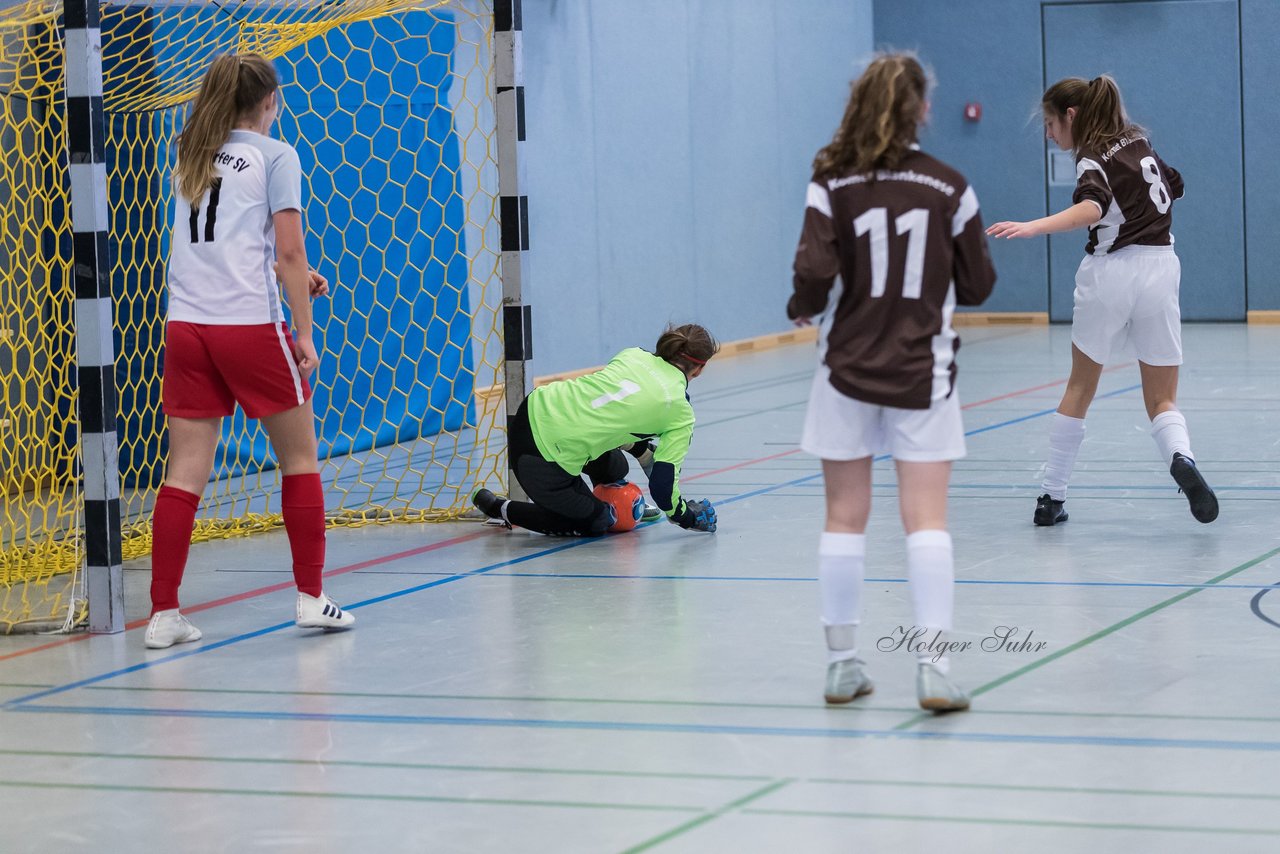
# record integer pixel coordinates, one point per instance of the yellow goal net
(390, 105)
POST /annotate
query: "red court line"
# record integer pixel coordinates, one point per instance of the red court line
(965, 406)
(1037, 388)
(740, 465)
(262, 591)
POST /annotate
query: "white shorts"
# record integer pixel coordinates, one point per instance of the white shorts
(1127, 303)
(842, 428)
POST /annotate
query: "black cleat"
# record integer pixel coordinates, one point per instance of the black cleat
(1204, 504)
(490, 505)
(1049, 512)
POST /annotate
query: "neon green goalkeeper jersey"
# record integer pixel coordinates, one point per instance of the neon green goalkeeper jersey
(636, 396)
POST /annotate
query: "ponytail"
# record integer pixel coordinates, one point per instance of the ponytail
(233, 87)
(881, 120)
(686, 347)
(1100, 119)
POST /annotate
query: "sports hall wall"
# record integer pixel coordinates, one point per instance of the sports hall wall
(1198, 73)
(668, 151)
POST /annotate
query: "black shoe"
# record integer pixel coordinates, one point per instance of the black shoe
(490, 505)
(1050, 512)
(1204, 504)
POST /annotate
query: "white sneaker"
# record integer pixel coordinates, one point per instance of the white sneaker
(847, 680)
(936, 691)
(321, 613)
(169, 627)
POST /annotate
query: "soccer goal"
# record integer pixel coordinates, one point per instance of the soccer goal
(392, 106)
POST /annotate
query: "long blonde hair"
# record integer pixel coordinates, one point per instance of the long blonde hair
(233, 87)
(881, 119)
(1100, 119)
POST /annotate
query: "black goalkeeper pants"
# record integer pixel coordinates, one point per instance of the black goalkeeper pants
(562, 504)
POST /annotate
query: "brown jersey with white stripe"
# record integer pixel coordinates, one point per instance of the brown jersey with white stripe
(1134, 191)
(908, 244)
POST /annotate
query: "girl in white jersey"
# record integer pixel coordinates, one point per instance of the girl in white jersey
(1127, 286)
(237, 223)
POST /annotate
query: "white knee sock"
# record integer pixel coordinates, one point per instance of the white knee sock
(1169, 429)
(931, 572)
(841, 567)
(1065, 435)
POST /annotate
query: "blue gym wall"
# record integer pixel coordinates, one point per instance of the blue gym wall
(668, 151)
(986, 51)
(991, 51)
(1260, 34)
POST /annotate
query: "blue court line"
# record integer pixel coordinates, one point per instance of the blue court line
(646, 726)
(17, 703)
(1045, 412)
(1085, 487)
(811, 580)
(1255, 604)
(882, 457)
(1076, 488)
(203, 648)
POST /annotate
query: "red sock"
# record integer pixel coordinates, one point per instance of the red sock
(172, 520)
(302, 501)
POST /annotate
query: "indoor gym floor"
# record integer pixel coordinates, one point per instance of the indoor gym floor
(661, 690)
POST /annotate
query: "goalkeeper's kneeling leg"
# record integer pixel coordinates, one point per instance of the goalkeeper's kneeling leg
(609, 467)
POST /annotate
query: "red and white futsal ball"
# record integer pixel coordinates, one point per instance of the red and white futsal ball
(627, 501)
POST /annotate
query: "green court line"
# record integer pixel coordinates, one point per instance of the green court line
(1120, 715)
(592, 772)
(1098, 635)
(889, 491)
(596, 772)
(357, 796)
(1023, 822)
(711, 816)
(1060, 790)
(400, 766)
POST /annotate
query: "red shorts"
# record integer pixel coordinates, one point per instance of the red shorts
(209, 368)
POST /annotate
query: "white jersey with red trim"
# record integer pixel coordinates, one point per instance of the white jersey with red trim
(224, 246)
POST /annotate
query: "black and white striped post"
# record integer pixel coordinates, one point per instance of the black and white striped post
(95, 350)
(513, 211)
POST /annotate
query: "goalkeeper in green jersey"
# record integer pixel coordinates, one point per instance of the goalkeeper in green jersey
(582, 426)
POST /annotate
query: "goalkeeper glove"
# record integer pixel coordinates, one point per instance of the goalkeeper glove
(695, 516)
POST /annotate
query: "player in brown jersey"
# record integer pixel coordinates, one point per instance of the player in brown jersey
(1127, 286)
(902, 231)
